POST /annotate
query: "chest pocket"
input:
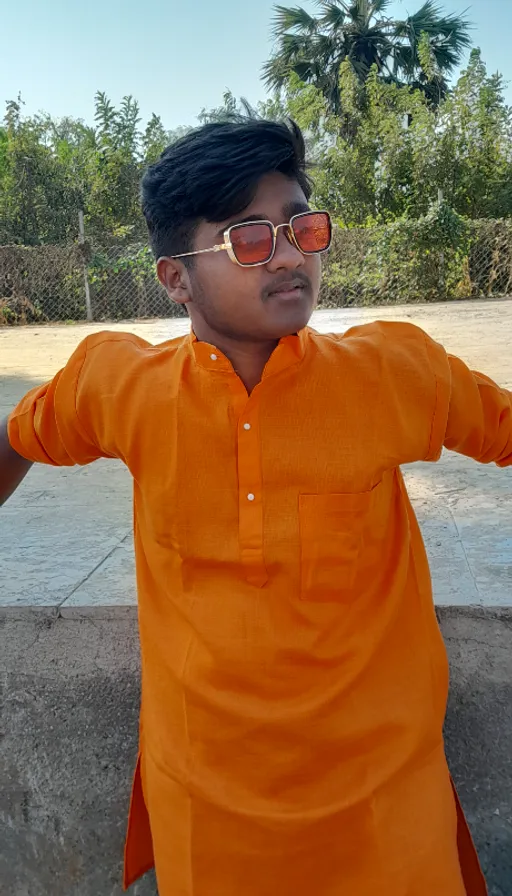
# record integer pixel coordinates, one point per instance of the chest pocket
(331, 540)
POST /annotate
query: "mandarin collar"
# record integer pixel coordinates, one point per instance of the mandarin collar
(290, 350)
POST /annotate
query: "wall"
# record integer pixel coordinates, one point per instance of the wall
(70, 693)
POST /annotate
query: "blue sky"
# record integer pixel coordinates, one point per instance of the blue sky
(173, 57)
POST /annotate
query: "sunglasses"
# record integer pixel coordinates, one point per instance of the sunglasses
(254, 242)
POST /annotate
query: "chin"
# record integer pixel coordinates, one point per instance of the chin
(291, 320)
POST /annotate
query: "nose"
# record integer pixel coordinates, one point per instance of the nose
(287, 256)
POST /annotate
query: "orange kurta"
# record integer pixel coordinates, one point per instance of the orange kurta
(294, 679)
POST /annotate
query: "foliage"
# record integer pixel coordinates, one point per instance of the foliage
(438, 257)
(473, 147)
(361, 33)
(300, 102)
(38, 193)
(397, 152)
(34, 281)
(230, 109)
(423, 257)
(390, 152)
(385, 157)
(51, 169)
(489, 268)
(380, 165)
(124, 284)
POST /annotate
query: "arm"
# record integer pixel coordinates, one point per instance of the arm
(82, 414)
(13, 467)
(479, 419)
(425, 399)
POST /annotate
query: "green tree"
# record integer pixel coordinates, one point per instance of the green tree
(114, 169)
(50, 169)
(230, 109)
(473, 149)
(394, 152)
(155, 139)
(402, 151)
(39, 200)
(122, 152)
(359, 31)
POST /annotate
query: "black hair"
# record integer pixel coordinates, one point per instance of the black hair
(212, 174)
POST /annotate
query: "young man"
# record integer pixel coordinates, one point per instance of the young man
(294, 678)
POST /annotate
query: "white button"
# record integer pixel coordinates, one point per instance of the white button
(247, 425)
(250, 497)
(213, 357)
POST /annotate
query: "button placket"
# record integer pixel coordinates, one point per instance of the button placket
(250, 495)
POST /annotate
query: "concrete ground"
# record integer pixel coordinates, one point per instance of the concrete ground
(65, 537)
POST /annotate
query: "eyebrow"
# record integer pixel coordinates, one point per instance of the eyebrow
(289, 210)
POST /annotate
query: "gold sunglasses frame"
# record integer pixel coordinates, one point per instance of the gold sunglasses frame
(226, 246)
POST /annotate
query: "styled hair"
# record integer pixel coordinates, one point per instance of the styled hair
(212, 174)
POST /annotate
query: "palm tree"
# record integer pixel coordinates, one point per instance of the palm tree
(315, 46)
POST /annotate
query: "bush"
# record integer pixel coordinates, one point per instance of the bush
(490, 260)
(41, 283)
(439, 257)
(124, 285)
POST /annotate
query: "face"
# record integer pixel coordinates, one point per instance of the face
(249, 304)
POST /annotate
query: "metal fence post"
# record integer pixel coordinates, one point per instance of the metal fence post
(442, 272)
(81, 240)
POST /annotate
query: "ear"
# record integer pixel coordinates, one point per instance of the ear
(174, 277)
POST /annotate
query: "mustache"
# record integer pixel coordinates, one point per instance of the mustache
(299, 278)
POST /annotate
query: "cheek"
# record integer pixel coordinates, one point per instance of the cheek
(226, 286)
(315, 269)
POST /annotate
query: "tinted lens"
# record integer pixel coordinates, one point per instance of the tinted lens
(312, 232)
(252, 243)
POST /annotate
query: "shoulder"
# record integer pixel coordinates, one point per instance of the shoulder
(114, 363)
(390, 354)
(378, 342)
(110, 349)
(116, 343)
(379, 333)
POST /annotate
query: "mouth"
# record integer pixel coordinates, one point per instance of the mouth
(291, 289)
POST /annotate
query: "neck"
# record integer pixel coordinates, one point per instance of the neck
(248, 358)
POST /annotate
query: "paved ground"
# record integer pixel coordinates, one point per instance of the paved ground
(65, 537)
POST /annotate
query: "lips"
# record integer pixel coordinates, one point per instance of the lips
(288, 287)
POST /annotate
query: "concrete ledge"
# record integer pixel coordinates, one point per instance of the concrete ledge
(479, 731)
(70, 697)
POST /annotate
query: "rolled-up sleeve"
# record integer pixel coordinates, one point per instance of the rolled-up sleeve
(45, 427)
(463, 410)
(427, 399)
(83, 413)
(479, 422)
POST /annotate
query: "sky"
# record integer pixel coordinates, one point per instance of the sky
(175, 57)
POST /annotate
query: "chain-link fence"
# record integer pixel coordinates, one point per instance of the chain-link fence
(402, 262)
(74, 283)
(428, 260)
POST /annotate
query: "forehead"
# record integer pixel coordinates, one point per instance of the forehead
(275, 194)
(277, 198)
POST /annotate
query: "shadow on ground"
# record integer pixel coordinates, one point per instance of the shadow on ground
(12, 389)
